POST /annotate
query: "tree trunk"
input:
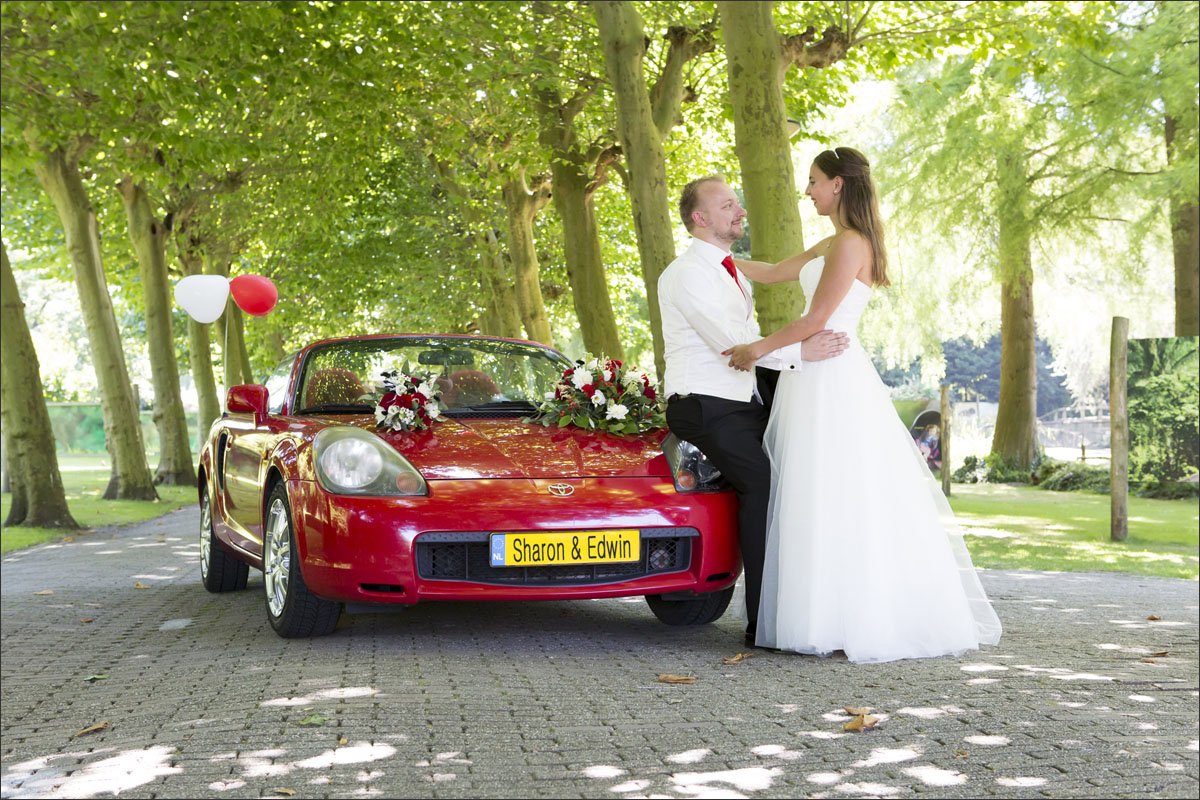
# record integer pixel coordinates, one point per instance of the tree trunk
(756, 65)
(508, 315)
(233, 344)
(522, 205)
(585, 268)
(149, 238)
(42, 501)
(59, 176)
(200, 357)
(1015, 438)
(623, 34)
(1185, 246)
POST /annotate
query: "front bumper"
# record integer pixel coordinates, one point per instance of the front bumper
(382, 549)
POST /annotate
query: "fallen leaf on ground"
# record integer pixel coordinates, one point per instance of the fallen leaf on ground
(93, 678)
(960, 754)
(45, 591)
(854, 712)
(68, 538)
(343, 740)
(668, 678)
(674, 700)
(1161, 654)
(140, 585)
(99, 726)
(313, 719)
(739, 658)
(861, 723)
(1148, 660)
(1154, 617)
(288, 792)
(86, 619)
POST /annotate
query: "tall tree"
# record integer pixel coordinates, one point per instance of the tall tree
(38, 499)
(645, 117)
(149, 235)
(523, 202)
(759, 58)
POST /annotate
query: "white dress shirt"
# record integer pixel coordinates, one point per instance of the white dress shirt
(704, 312)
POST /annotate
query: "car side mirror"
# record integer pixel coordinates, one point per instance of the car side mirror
(248, 398)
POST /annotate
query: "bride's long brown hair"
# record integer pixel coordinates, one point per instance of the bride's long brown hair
(859, 208)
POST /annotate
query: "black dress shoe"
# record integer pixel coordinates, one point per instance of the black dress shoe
(750, 637)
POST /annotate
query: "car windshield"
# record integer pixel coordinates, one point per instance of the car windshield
(472, 374)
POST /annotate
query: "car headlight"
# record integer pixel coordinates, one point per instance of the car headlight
(690, 469)
(354, 461)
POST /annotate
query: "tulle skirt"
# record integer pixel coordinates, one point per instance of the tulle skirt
(863, 554)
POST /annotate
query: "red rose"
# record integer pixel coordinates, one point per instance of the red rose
(589, 389)
(650, 395)
(387, 400)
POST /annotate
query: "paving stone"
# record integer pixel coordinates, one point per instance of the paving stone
(560, 699)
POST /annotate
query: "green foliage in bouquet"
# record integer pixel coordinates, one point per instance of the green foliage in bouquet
(602, 394)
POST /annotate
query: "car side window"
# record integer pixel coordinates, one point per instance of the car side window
(277, 384)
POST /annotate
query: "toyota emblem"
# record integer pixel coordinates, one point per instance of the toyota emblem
(562, 489)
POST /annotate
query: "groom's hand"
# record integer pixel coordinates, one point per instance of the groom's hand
(823, 345)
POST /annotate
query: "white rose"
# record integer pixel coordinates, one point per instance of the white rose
(427, 389)
(580, 378)
(607, 374)
(630, 378)
(432, 410)
(617, 411)
(598, 399)
(592, 365)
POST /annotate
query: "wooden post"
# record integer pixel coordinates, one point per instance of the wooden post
(945, 442)
(1119, 422)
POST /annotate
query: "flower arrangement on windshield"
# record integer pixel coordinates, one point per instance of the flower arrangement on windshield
(602, 394)
(409, 402)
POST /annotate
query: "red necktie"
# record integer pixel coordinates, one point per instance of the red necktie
(728, 265)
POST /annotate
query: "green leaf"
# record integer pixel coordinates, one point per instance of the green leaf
(314, 720)
(94, 678)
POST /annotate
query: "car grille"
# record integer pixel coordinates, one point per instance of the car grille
(466, 556)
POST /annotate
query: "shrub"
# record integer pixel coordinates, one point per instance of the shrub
(990, 469)
(1151, 486)
(1077, 478)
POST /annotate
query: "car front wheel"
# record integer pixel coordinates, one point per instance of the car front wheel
(219, 571)
(294, 611)
(699, 610)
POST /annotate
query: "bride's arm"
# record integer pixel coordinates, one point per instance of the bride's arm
(786, 270)
(842, 265)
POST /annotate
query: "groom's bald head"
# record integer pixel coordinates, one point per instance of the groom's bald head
(693, 196)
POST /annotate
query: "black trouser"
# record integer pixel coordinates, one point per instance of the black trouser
(730, 433)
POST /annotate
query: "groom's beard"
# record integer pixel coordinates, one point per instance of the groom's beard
(732, 234)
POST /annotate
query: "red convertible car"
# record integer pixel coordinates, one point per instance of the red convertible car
(297, 480)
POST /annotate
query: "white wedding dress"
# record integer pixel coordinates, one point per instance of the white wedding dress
(863, 553)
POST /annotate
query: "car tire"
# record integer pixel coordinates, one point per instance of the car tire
(219, 571)
(293, 610)
(699, 610)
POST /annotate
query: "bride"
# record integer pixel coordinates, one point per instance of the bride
(863, 553)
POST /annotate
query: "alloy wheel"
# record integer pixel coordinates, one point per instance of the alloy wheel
(277, 559)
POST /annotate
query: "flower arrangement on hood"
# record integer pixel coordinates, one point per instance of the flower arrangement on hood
(602, 394)
(409, 402)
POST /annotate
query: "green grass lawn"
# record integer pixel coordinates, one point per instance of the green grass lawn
(1021, 527)
(84, 478)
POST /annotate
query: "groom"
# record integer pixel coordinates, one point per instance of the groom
(707, 307)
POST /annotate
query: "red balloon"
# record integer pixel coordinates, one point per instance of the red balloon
(254, 294)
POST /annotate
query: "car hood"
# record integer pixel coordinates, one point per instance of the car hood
(509, 448)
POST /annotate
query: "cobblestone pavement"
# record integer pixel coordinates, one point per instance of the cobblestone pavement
(1091, 693)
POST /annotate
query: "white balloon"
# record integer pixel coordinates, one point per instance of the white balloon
(203, 297)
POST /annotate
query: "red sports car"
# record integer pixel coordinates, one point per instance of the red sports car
(298, 480)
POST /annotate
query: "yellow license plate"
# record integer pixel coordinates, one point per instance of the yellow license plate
(578, 547)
